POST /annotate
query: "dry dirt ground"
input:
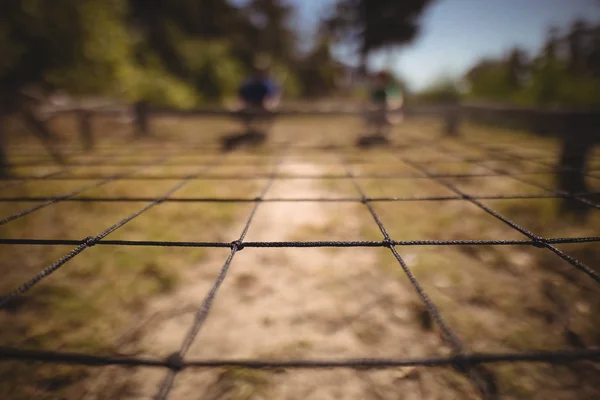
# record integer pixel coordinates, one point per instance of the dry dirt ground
(305, 303)
(291, 303)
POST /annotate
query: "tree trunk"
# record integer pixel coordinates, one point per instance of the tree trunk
(578, 140)
(141, 119)
(572, 164)
(39, 129)
(85, 130)
(452, 121)
(4, 166)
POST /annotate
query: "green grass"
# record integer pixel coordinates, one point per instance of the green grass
(239, 384)
(86, 303)
(497, 298)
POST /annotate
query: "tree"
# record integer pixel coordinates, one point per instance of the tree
(374, 24)
(318, 71)
(593, 57)
(489, 79)
(208, 43)
(74, 45)
(577, 47)
(565, 73)
(274, 37)
(551, 46)
(517, 66)
(444, 90)
(79, 46)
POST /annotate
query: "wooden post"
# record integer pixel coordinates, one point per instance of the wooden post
(141, 119)
(578, 136)
(572, 164)
(452, 120)
(39, 129)
(578, 140)
(85, 129)
(4, 166)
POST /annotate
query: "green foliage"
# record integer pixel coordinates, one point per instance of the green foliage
(319, 72)
(490, 80)
(377, 24)
(564, 74)
(100, 55)
(215, 73)
(272, 34)
(444, 90)
(158, 87)
(74, 45)
(287, 77)
(553, 85)
(11, 51)
(170, 52)
(580, 92)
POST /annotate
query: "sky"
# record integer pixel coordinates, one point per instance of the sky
(457, 33)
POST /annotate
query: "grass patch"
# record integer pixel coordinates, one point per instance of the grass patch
(239, 384)
(497, 298)
(84, 305)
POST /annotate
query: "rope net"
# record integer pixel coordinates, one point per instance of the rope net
(457, 168)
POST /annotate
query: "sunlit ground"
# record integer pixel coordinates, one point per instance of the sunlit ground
(300, 303)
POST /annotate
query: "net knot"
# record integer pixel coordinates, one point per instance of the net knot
(389, 243)
(90, 241)
(175, 362)
(538, 242)
(237, 245)
(461, 362)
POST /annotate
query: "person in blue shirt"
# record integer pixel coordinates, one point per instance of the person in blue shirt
(259, 91)
(259, 95)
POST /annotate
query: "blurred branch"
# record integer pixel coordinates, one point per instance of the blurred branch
(376, 24)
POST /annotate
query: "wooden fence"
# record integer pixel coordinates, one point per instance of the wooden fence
(578, 131)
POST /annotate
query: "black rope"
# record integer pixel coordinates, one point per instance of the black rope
(17, 180)
(256, 176)
(558, 193)
(84, 199)
(88, 242)
(103, 163)
(512, 156)
(461, 359)
(552, 357)
(539, 241)
(71, 194)
(176, 359)
(448, 335)
(301, 244)
(53, 200)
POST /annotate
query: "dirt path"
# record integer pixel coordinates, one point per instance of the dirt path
(289, 304)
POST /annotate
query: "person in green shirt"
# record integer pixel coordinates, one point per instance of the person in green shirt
(384, 97)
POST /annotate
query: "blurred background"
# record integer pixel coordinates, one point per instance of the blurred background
(187, 53)
(108, 106)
